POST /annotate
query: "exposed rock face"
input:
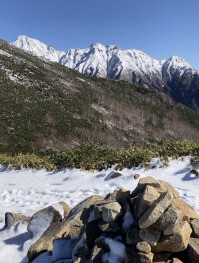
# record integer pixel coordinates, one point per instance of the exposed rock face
(163, 227)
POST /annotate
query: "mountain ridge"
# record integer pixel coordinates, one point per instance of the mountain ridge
(174, 76)
(47, 105)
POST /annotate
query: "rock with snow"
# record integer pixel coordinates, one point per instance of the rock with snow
(42, 219)
(82, 210)
(98, 229)
(62, 208)
(67, 229)
(12, 218)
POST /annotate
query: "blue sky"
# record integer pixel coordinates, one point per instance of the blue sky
(160, 28)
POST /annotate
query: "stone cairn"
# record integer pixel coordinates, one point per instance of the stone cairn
(152, 224)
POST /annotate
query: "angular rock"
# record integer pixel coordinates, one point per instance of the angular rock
(143, 182)
(187, 210)
(166, 187)
(162, 257)
(145, 258)
(176, 242)
(156, 210)
(168, 220)
(161, 186)
(108, 210)
(98, 251)
(193, 250)
(195, 227)
(133, 256)
(42, 219)
(194, 171)
(111, 211)
(176, 260)
(136, 176)
(12, 218)
(66, 209)
(133, 236)
(150, 235)
(192, 212)
(145, 200)
(121, 196)
(82, 210)
(115, 175)
(109, 227)
(96, 255)
(67, 229)
(181, 206)
(143, 247)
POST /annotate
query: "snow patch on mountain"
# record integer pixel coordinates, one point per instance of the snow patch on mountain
(110, 61)
(38, 48)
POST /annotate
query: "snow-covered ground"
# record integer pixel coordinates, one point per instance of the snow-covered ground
(27, 191)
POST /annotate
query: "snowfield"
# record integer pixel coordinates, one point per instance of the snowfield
(27, 191)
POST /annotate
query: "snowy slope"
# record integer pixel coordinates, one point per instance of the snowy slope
(27, 191)
(38, 48)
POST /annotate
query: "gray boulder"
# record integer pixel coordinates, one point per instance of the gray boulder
(143, 247)
(176, 242)
(150, 235)
(195, 227)
(145, 200)
(156, 210)
(107, 210)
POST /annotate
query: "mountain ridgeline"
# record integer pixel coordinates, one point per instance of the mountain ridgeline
(173, 76)
(47, 105)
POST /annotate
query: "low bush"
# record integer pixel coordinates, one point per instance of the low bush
(89, 156)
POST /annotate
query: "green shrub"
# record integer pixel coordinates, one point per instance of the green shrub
(194, 161)
(89, 156)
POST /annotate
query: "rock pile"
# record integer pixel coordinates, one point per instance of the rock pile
(150, 225)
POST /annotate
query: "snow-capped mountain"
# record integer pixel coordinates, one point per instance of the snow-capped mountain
(132, 65)
(110, 61)
(38, 48)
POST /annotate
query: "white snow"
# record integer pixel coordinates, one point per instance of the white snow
(38, 48)
(2, 52)
(109, 61)
(39, 223)
(28, 190)
(116, 253)
(59, 208)
(128, 220)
